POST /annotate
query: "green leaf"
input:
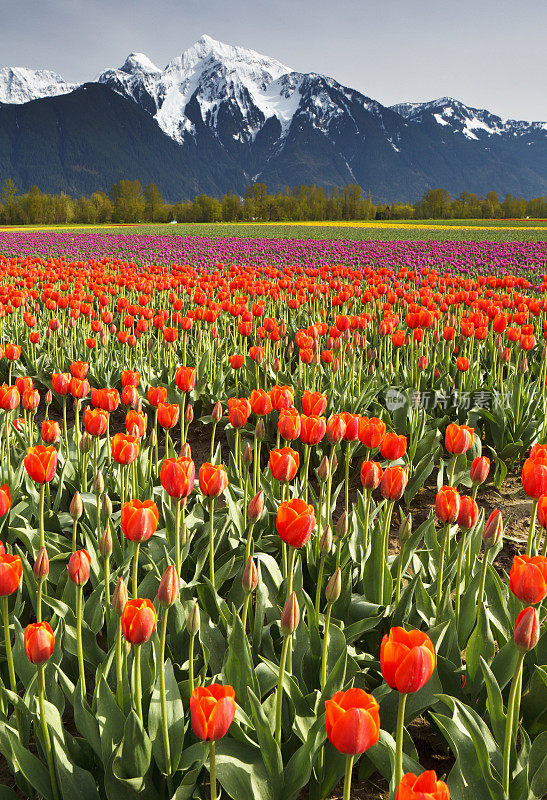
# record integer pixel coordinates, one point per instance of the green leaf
(241, 772)
(537, 766)
(111, 720)
(238, 669)
(494, 703)
(175, 720)
(136, 748)
(480, 645)
(271, 753)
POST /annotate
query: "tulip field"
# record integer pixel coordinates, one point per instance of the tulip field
(253, 523)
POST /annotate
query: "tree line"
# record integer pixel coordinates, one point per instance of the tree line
(128, 201)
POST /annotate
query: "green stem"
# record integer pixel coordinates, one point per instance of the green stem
(399, 740)
(440, 573)
(177, 537)
(191, 663)
(509, 725)
(137, 688)
(211, 541)
(399, 574)
(107, 588)
(45, 733)
(9, 654)
(74, 530)
(41, 516)
(213, 771)
(319, 587)
(347, 778)
(480, 595)
(163, 699)
(531, 529)
(324, 649)
(279, 695)
(119, 665)
(79, 614)
(135, 568)
(245, 609)
(461, 551)
(290, 570)
(39, 600)
(385, 542)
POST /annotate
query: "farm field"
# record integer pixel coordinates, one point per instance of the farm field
(273, 519)
(459, 230)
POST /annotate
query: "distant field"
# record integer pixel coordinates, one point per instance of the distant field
(462, 230)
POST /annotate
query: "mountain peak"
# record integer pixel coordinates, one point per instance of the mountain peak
(206, 48)
(138, 62)
(21, 84)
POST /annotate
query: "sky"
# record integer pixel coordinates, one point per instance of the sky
(487, 53)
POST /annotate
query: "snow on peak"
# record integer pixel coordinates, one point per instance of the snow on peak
(20, 84)
(139, 63)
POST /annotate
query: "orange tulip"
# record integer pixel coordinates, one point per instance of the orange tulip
(422, 787)
(39, 642)
(447, 504)
(139, 520)
(352, 721)
(95, 421)
(212, 710)
(185, 378)
(313, 403)
(177, 476)
(528, 578)
(11, 570)
(125, 448)
(41, 463)
(407, 659)
(458, 438)
(213, 479)
(372, 432)
(371, 474)
(284, 464)
(5, 502)
(393, 483)
(139, 620)
(295, 522)
(239, 411)
(393, 447)
(313, 429)
(289, 424)
(50, 431)
(261, 402)
(168, 414)
(282, 397)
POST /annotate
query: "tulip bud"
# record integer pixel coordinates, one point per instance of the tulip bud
(107, 506)
(493, 529)
(49, 397)
(85, 443)
(249, 580)
(325, 542)
(76, 507)
(247, 455)
(323, 470)
(168, 590)
(119, 597)
(151, 343)
(523, 366)
(480, 469)
(192, 623)
(41, 565)
(98, 483)
(260, 430)
(105, 542)
(138, 405)
(334, 586)
(333, 463)
(189, 414)
(153, 438)
(217, 412)
(342, 526)
(186, 451)
(527, 629)
(277, 365)
(256, 506)
(77, 406)
(405, 529)
(290, 616)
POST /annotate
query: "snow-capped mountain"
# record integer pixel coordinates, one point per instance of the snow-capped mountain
(459, 118)
(237, 117)
(20, 85)
(256, 87)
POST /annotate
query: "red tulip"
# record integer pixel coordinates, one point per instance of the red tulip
(295, 522)
(212, 711)
(352, 721)
(407, 659)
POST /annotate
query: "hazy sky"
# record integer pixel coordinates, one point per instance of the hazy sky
(488, 53)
